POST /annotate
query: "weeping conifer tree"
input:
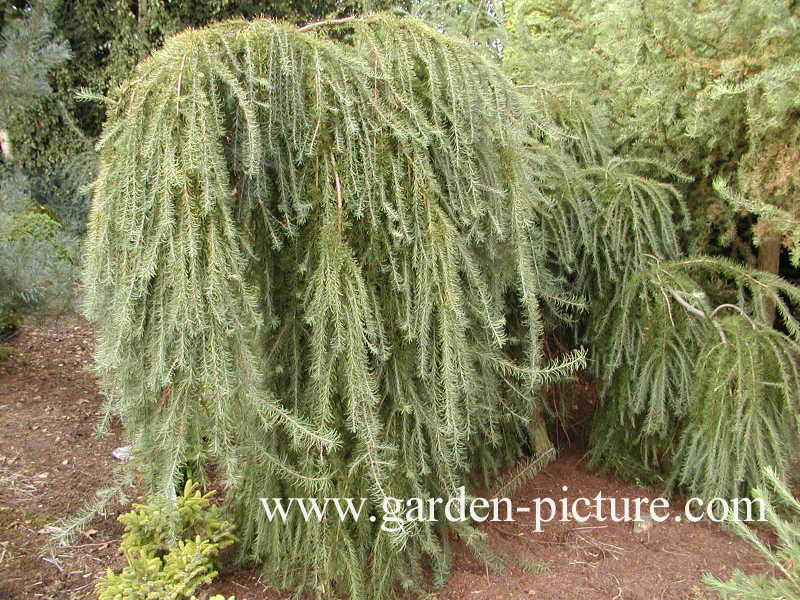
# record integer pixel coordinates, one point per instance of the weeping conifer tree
(314, 257)
(698, 389)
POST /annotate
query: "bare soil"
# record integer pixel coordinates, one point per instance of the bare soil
(51, 463)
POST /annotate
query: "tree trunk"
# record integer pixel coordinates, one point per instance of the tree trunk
(7, 152)
(141, 13)
(5, 146)
(540, 440)
(769, 256)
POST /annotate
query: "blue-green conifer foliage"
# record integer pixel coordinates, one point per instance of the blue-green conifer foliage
(315, 260)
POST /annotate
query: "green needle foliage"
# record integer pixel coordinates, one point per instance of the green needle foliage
(647, 370)
(782, 511)
(744, 409)
(696, 381)
(315, 260)
(709, 86)
(28, 53)
(170, 550)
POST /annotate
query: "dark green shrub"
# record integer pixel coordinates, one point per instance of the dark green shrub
(10, 320)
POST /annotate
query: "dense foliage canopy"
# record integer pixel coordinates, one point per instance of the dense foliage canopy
(710, 87)
(315, 258)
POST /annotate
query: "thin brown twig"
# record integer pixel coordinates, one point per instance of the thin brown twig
(180, 79)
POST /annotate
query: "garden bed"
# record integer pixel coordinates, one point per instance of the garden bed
(51, 463)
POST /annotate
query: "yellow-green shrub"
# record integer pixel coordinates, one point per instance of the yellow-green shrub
(170, 550)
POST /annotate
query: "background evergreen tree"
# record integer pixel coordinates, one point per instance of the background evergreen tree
(710, 88)
(658, 322)
(37, 260)
(27, 54)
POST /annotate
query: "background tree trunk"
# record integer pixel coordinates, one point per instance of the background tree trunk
(140, 16)
(6, 149)
(5, 146)
(539, 438)
(769, 256)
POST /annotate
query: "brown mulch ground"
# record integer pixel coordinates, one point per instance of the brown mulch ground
(51, 463)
